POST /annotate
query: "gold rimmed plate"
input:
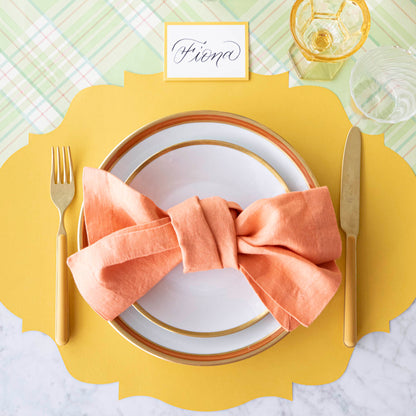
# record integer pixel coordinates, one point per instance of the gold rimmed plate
(190, 127)
(211, 303)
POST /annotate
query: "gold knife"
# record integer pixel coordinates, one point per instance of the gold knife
(350, 223)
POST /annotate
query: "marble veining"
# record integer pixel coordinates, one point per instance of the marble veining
(380, 380)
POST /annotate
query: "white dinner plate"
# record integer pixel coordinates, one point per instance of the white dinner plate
(134, 151)
(215, 302)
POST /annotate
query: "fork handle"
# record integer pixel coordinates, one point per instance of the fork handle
(350, 312)
(62, 298)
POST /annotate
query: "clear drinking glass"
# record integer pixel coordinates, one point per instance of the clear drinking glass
(383, 84)
(326, 32)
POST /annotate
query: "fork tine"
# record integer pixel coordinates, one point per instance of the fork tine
(64, 167)
(58, 165)
(52, 165)
(71, 172)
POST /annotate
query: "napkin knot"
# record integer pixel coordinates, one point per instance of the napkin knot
(206, 233)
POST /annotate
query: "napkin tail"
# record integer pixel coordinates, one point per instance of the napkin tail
(295, 291)
(114, 272)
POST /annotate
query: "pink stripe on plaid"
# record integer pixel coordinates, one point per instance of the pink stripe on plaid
(384, 30)
(64, 94)
(75, 42)
(158, 7)
(42, 114)
(269, 15)
(170, 8)
(114, 47)
(25, 56)
(409, 151)
(73, 85)
(14, 139)
(144, 20)
(46, 38)
(80, 4)
(111, 50)
(5, 74)
(261, 62)
(272, 45)
(404, 11)
(206, 6)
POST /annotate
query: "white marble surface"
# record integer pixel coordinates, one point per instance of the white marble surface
(380, 380)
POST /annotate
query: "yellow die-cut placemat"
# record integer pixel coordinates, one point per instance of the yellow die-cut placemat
(313, 121)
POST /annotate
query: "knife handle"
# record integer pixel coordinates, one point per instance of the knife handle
(350, 311)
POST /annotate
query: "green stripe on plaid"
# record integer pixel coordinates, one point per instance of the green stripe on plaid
(50, 50)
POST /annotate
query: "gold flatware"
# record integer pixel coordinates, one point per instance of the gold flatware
(350, 223)
(62, 194)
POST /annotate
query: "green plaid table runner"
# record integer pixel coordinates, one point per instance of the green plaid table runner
(50, 50)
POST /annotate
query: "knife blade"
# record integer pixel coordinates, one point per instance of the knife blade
(350, 223)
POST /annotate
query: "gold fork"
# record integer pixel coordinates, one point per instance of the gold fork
(62, 194)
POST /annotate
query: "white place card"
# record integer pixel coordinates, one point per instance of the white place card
(206, 51)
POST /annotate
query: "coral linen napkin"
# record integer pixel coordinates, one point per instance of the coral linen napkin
(285, 246)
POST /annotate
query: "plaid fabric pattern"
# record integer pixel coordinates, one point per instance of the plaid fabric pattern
(50, 50)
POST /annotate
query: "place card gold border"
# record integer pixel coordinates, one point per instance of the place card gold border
(165, 63)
